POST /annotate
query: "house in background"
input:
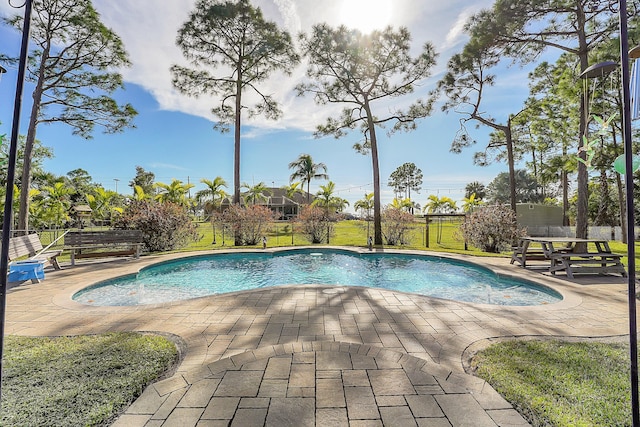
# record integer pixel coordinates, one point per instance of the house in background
(276, 199)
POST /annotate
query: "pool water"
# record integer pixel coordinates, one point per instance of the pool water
(222, 273)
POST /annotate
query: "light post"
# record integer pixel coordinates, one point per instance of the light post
(628, 178)
(116, 180)
(11, 171)
(599, 70)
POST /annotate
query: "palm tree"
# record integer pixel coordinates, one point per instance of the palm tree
(101, 203)
(56, 202)
(437, 205)
(470, 203)
(292, 189)
(175, 192)
(258, 192)
(306, 170)
(139, 193)
(325, 198)
(402, 204)
(365, 205)
(213, 194)
(477, 188)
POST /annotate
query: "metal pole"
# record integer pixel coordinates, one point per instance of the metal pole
(11, 172)
(628, 176)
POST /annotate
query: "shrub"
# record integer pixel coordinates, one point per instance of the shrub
(315, 223)
(247, 223)
(491, 228)
(164, 226)
(396, 225)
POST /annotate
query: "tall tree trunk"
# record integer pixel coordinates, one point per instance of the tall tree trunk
(583, 174)
(25, 182)
(564, 177)
(510, 161)
(377, 210)
(236, 146)
(236, 149)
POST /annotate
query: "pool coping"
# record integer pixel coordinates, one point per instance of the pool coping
(569, 299)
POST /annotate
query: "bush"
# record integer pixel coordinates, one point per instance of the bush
(395, 225)
(247, 223)
(165, 226)
(315, 223)
(491, 228)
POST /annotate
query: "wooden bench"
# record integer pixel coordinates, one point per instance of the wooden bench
(588, 262)
(105, 243)
(522, 255)
(30, 245)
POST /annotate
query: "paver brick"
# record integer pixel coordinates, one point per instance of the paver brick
(291, 412)
(240, 384)
(391, 401)
(221, 408)
(424, 406)
(397, 416)
(463, 410)
(302, 375)
(199, 393)
(390, 382)
(355, 378)
(148, 402)
(184, 417)
(360, 403)
(249, 418)
(278, 368)
(273, 388)
(332, 417)
(329, 393)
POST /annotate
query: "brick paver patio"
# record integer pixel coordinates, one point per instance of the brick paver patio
(320, 355)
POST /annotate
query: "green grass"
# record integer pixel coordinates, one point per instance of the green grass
(78, 381)
(345, 233)
(555, 383)
(354, 233)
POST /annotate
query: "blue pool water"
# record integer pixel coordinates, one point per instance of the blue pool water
(217, 274)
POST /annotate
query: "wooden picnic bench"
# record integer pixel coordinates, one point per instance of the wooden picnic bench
(29, 245)
(563, 254)
(588, 262)
(104, 243)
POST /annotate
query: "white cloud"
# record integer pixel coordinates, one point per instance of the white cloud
(149, 28)
(167, 166)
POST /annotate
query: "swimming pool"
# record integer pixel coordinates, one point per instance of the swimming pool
(199, 276)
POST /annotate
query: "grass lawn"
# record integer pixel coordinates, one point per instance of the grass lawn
(554, 383)
(345, 233)
(78, 381)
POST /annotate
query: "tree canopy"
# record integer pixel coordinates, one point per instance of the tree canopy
(363, 71)
(71, 65)
(524, 29)
(232, 49)
(405, 178)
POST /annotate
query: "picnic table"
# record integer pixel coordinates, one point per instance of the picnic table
(569, 254)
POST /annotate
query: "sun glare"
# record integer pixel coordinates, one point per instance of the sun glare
(366, 15)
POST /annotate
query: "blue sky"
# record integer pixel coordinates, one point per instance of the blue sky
(174, 136)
